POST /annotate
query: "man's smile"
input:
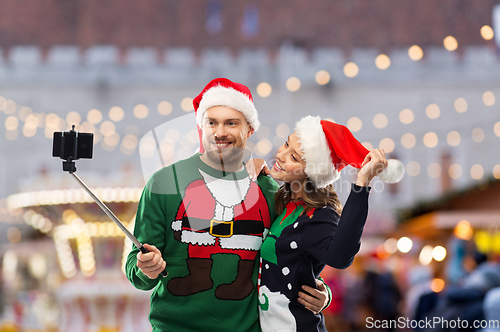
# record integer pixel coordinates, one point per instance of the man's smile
(221, 145)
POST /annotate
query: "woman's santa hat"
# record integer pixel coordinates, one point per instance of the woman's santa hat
(224, 92)
(329, 147)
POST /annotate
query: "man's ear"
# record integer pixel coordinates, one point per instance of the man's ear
(250, 130)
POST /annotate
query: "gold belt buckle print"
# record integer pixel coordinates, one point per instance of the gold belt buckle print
(228, 224)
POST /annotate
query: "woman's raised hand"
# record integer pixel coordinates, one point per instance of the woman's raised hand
(255, 167)
(374, 163)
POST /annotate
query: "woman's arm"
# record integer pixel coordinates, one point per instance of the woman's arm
(337, 246)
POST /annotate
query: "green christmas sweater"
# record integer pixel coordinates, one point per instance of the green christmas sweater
(209, 226)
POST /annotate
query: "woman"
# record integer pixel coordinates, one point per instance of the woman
(313, 229)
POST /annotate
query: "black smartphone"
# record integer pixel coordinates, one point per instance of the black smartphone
(73, 145)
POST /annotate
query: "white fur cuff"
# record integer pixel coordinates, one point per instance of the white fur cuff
(177, 225)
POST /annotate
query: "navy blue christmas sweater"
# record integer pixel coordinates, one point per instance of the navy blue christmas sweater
(296, 251)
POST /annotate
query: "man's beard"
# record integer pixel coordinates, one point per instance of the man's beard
(227, 157)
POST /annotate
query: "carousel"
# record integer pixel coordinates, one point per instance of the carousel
(69, 274)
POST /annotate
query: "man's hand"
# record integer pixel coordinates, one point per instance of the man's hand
(318, 299)
(255, 167)
(151, 264)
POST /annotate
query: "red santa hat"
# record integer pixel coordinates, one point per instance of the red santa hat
(328, 147)
(223, 92)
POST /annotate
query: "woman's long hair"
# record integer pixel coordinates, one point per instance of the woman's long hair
(310, 194)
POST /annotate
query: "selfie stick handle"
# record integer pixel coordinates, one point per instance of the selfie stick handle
(115, 219)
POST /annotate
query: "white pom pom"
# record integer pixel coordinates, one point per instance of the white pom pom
(393, 172)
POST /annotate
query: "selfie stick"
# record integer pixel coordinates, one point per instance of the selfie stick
(69, 166)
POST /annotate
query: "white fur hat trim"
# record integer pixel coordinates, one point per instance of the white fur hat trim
(393, 172)
(317, 154)
(222, 96)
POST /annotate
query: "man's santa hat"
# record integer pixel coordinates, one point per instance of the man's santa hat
(223, 92)
(328, 147)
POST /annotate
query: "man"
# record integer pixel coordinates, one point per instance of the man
(207, 221)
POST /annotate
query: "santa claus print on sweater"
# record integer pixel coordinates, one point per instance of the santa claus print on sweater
(220, 216)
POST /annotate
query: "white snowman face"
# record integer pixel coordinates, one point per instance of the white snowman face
(274, 312)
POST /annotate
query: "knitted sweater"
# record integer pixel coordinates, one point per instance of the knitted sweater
(209, 226)
(295, 252)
